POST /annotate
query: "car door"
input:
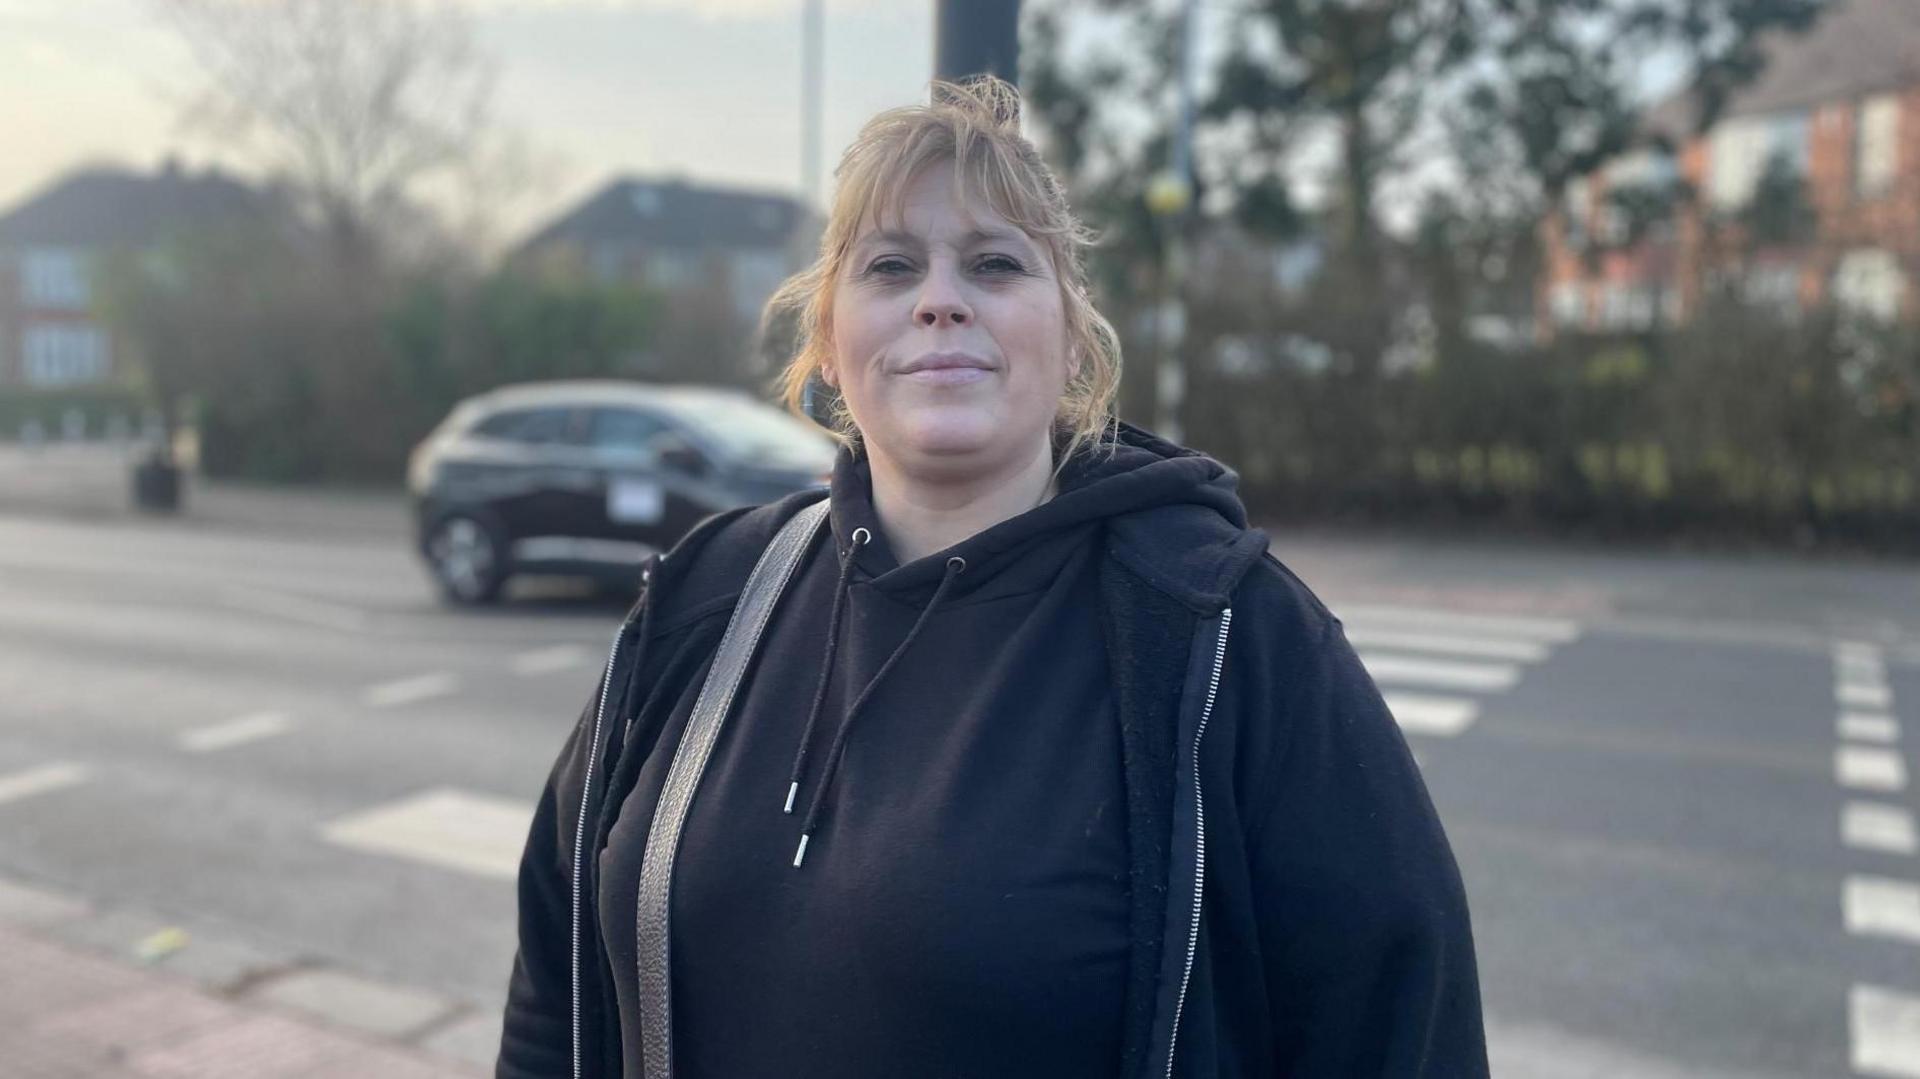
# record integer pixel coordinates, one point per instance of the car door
(634, 503)
(513, 467)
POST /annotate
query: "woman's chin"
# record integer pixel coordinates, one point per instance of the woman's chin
(951, 433)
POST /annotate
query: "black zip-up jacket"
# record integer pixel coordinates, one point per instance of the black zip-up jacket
(1295, 908)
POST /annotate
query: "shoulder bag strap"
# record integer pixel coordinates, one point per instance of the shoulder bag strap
(750, 615)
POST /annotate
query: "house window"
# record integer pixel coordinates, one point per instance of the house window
(56, 279)
(670, 271)
(1775, 286)
(1576, 207)
(1565, 302)
(609, 262)
(1626, 307)
(1869, 282)
(755, 276)
(63, 355)
(1877, 144)
(1740, 151)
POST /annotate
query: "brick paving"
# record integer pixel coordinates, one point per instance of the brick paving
(66, 1013)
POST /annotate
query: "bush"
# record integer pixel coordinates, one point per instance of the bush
(1741, 426)
(98, 406)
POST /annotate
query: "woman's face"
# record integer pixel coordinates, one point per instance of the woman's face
(949, 336)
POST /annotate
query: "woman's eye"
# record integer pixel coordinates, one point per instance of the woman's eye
(889, 266)
(1000, 264)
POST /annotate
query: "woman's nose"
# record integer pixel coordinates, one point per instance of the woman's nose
(940, 301)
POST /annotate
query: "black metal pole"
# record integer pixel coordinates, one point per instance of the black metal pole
(976, 37)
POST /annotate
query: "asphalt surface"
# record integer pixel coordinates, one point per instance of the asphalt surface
(259, 721)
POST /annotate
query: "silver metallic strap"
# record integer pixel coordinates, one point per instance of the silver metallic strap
(750, 615)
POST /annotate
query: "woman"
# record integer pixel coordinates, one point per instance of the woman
(1041, 767)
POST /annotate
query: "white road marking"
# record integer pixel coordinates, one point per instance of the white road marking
(410, 690)
(41, 780)
(1863, 695)
(238, 732)
(1883, 1026)
(453, 829)
(1882, 907)
(1440, 717)
(1370, 615)
(1868, 727)
(1860, 670)
(1855, 652)
(312, 612)
(1508, 648)
(1869, 769)
(548, 660)
(1441, 673)
(1877, 826)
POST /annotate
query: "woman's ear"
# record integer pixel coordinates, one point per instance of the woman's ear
(827, 376)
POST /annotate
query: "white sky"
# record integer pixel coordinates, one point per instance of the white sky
(708, 89)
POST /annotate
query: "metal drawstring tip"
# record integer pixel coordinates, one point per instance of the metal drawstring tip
(792, 789)
(800, 855)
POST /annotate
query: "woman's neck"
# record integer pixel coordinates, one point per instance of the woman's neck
(922, 514)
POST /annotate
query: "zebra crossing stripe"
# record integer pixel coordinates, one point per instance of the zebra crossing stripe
(473, 833)
(1867, 727)
(1882, 907)
(1863, 768)
(1877, 826)
(1863, 694)
(1439, 717)
(1376, 615)
(1440, 673)
(1508, 648)
(1883, 1026)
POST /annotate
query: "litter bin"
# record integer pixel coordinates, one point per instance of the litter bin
(156, 484)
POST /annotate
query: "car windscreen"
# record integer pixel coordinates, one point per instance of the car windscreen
(754, 434)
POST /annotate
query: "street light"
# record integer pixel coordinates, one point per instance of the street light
(976, 37)
(1170, 200)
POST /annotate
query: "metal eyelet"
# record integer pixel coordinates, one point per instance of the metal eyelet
(956, 558)
(862, 537)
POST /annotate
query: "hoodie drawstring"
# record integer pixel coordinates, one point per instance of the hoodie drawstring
(860, 538)
(955, 566)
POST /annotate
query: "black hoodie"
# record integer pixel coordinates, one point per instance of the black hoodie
(1115, 751)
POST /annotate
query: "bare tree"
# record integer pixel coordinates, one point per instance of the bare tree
(356, 105)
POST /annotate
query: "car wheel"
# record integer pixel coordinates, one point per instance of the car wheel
(467, 560)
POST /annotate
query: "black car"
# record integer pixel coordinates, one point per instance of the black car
(589, 478)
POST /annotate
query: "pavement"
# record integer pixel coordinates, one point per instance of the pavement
(113, 995)
(250, 766)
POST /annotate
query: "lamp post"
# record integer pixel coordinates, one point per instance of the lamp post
(976, 37)
(810, 34)
(1170, 199)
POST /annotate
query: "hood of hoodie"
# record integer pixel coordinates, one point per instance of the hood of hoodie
(1170, 512)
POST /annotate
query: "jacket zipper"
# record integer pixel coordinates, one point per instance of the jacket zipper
(1200, 834)
(580, 837)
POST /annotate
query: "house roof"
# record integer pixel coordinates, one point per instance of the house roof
(110, 207)
(1857, 47)
(679, 215)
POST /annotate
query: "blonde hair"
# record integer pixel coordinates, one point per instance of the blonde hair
(975, 126)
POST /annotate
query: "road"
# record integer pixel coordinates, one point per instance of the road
(1677, 784)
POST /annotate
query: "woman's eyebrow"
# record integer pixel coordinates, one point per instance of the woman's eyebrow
(975, 236)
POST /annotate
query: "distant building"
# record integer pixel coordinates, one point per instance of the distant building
(50, 249)
(675, 236)
(1827, 136)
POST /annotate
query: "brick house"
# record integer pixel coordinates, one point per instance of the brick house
(50, 248)
(671, 235)
(1831, 126)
